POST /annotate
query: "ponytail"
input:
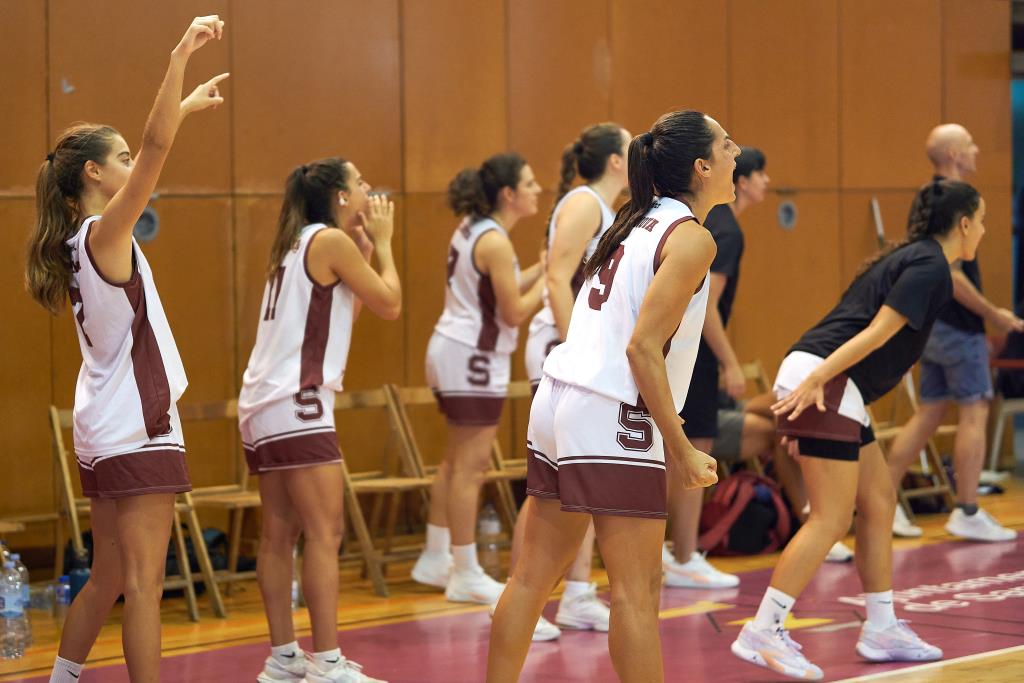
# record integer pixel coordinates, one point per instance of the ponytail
(474, 191)
(309, 197)
(588, 156)
(59, 186)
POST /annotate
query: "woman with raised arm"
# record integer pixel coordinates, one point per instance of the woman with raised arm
(469, 361)
(604, 427)
(853, 356)
(127, 435)
(317, 278)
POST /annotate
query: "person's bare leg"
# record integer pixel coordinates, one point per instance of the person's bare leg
(631, 548)
(143, 529)
(969, 450)
(274, 563)
(549, 543)
(89, 611)
(912, 438)
(470, 461)
(684, 507)
(581, 566)
(876, 504)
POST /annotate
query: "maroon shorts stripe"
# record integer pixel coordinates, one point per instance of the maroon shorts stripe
(136, 474)
(601, 488)
(470, 410)
(814, 424)
(304, 450)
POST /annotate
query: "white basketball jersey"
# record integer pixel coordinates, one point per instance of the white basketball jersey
(470, 313)
(607, 218)
(593, 356)
(131, 374)
(303, 336)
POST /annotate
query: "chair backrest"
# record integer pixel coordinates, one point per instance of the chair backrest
(399, 398)
(380, 399)
(754, 372)
(215, 411)
(519, 389)
(61, 419)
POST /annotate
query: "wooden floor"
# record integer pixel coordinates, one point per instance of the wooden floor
(359, 607)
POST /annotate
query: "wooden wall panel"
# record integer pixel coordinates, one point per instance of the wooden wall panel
(453, 117)
(976, 59)
(23, 93)
(890, 90)
(857, 237)
(559, 78)
(784, 92)
(114, 80)
(652, 75)
(315, 79)
(996, 250)
(788, 279)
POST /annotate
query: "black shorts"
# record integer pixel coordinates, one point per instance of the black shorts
(700, 412)
(836, 450)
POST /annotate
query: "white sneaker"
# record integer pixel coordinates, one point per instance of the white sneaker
(542, 632)
(274, 671)
(839, 552)
(433, 570)
(473, 586)
(901, 525)
(774, 650)
(978, 527)
(585, 612)
(345, 671)
(895, 644)
(696, 573)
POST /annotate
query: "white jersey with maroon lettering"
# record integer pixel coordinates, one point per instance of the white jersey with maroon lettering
(593, 356)
(470, 313)
(303, 336)
(131, 376)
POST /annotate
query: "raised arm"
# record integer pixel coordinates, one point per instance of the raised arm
(685, 260)
(110, 237)
(578, 218)
(495, 257)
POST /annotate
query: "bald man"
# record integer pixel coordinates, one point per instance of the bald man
(954, 367)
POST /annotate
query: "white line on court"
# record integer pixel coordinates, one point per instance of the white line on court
(933, 665)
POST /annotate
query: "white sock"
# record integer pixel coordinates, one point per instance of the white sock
(287, 653)
(465, 558)
(775, 607)
(328, 659)
(881, 612)
(65, 671)
(439, 540)
(574, 589)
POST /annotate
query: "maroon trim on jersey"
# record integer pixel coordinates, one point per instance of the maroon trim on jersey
(148, 365)
(314, 339)
(463, 409)
(664, 238)
(135, 474)
(305, 266)
(88, 252)
(578, 279)
(815, 424)
(303, 450)
(472, 250)
(600, 488)
(489, 330)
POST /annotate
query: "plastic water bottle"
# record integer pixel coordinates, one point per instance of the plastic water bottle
(26, 595)
(12, 614)
(296, 573)
(62, 599)
(488, 534)
(4, 553)
(79, 572)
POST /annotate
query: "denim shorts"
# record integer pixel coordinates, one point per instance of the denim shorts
(955, 366)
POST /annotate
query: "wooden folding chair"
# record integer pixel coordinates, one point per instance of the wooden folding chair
(389, 483)
(499, 476)
(72, 507)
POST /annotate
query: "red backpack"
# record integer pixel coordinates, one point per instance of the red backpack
(745, 515)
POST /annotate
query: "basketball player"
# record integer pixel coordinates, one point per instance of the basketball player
(317, 274)
(604, 424)
(579, 219)
(128, 441)
(856, 354)
(469, 359)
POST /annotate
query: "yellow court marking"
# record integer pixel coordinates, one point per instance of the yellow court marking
(699, 607)
(792, 623)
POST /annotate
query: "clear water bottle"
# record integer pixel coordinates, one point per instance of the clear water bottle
(4, 553)
(488, 529)
(13, 626)
(296, 586)
(61, 599)
(26, 595)
(80, 572)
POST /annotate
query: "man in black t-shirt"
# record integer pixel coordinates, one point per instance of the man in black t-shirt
(954, 366)
(684, 566)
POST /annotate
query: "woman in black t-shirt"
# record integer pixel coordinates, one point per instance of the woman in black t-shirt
(856, 354)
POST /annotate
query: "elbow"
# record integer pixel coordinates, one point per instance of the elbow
(513, 319)
(156, 142)
(392, 310)
(636, 353)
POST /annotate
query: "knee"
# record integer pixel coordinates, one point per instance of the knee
(144, 584)
(833, 524)
(279, 538)
(879, 504)
(107, 586)
(473, 467)
(641, 592)
(327, 532)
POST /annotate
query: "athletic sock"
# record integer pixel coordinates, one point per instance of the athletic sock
(328, 659)
(439, 540)
(465, 558)
(775, 607)
(881, 614)
(287, 653)
(574, 589)
(65, 671)
(970, 509)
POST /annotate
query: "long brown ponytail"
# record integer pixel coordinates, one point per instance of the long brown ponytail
(587, 156)
(59, 187)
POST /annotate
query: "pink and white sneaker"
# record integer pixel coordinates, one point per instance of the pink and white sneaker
(775, 650)
(898, 643)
